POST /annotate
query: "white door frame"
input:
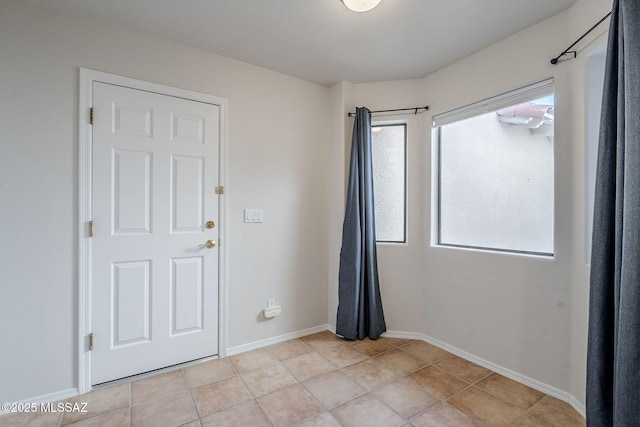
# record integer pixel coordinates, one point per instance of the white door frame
(87, 78)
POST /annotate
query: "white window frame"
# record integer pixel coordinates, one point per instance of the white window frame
(536, 90)
(406, 172)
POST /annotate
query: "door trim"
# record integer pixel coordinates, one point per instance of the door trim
(85, 144)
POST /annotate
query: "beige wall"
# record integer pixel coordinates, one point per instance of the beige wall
(277, 157)
(525, 315)
(508, 309)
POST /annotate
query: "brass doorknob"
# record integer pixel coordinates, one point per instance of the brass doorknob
(211, 224)
(208, 244)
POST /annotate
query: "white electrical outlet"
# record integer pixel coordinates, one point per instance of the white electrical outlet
(272, 312)
(271, 302)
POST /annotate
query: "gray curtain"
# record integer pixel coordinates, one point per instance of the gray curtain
(613, 356)
(360, 312)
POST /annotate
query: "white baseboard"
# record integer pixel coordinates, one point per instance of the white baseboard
(46, 398)
(522, 379)
(407, 335)
(391, 334)
(275, 340)
(577, 405)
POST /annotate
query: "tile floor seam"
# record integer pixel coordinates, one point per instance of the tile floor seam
(482, 423)
(539, 417)
(481, 390)
(378, 399)
(457, 393)
(329, 408)
(434, 366)
(356, 381)
(374, 355)
(458, 377)
(194, 404)
(246, 386)
(429, 409)
(310, 392)
(521, 416)
(526, 411)
(186, 379)
(264, 412)
(406, 419)
(485, 377)
(299, 422)
(130, 388)
(270, 353)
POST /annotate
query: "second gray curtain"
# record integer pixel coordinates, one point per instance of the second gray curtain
(613, 356)
(360, 312)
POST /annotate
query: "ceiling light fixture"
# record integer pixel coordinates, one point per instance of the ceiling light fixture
(360, 5)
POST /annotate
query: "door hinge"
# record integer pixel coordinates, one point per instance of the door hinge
(91, 341)
(219, 189)
(90, 228)
(91, 115)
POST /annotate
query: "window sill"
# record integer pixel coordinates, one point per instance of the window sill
(538, 255)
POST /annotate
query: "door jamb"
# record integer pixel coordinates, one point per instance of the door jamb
(85, 144)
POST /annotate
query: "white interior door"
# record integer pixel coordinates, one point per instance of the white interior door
(154, 291)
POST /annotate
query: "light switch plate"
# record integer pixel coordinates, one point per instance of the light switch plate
(253, 215)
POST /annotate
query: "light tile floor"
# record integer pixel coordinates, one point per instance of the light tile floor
(320, 380)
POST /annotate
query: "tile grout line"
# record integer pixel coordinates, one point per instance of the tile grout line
(371, 392)
(338, 369)
(446, 400)
(193, 400)
(255, 399)
(406, 375)
(542, 418)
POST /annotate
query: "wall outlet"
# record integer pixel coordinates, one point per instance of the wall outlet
(272, 312)
(271, 302)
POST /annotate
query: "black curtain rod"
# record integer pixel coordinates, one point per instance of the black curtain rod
(414, 109)
(575, 54)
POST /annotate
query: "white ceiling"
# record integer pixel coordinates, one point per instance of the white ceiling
(322, 41)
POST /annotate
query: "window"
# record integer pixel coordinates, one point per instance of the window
(388, 142)
(595, 85)
(495, 173)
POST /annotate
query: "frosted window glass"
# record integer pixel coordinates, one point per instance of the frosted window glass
(388, 155)
(496, 180)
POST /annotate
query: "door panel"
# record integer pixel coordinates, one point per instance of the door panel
(187, 295)
(186, 194)
(130, 301)
(186, 128)
(132, 121)
(154, 294)
(131, 208)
